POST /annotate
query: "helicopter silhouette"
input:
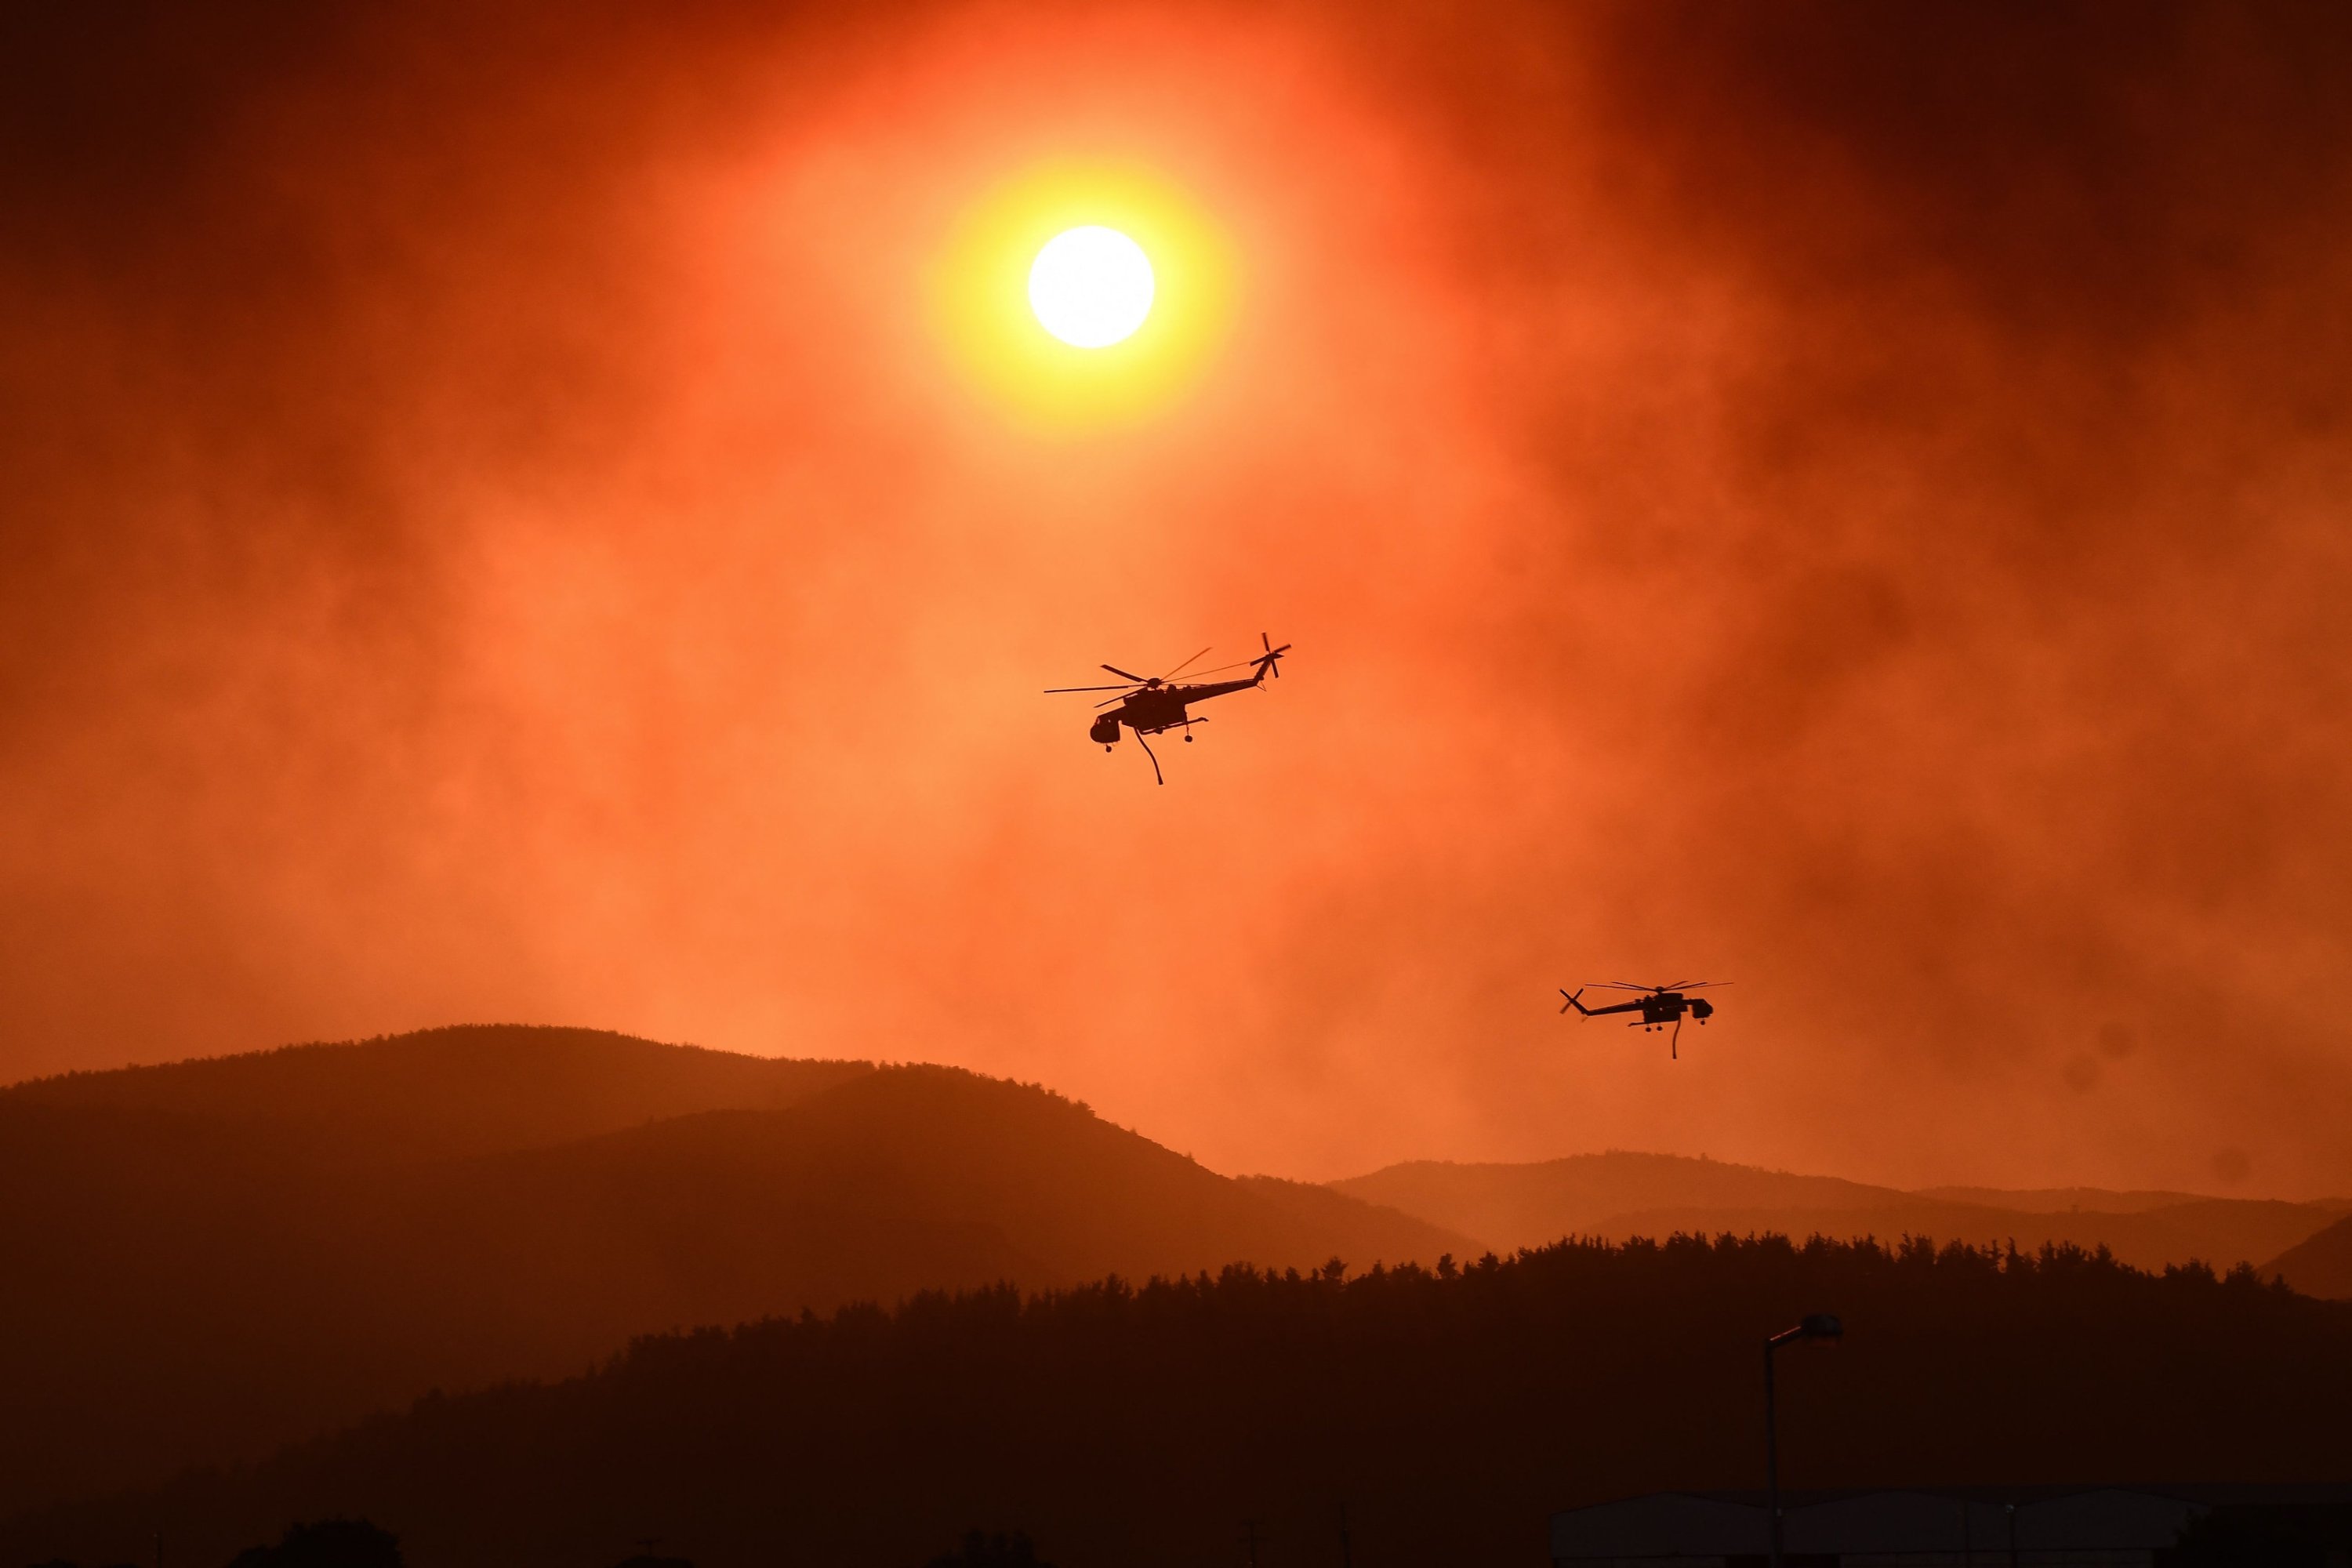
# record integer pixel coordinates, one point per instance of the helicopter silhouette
(1154, 704)
(1658, 1005)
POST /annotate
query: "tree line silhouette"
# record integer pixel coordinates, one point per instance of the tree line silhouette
(1448, 1410)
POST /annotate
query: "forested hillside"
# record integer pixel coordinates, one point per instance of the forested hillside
(1448, 1411)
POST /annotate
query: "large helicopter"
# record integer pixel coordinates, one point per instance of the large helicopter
(1658, 1005)
(1154, 704)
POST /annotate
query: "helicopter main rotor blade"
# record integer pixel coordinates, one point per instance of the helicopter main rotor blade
(1116, 670)
(1171, 674)
(1052, 690)
(1108, 702)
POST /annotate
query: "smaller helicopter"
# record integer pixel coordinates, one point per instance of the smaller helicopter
(1154, 704)
(1658, 1005)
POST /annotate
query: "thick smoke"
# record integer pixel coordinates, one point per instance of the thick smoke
(1841, 499)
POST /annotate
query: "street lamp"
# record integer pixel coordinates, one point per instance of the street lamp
(1816, 1326)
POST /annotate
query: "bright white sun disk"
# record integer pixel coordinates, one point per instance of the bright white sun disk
(1091, 287)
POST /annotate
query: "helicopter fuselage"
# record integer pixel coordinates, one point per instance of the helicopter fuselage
(1155, 704)
(1658, 1007)
(1158, 708)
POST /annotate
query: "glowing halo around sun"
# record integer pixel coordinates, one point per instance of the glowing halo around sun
(1073, 296)
(1091, 287)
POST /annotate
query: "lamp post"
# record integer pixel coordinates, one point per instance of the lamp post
(1816, 1326)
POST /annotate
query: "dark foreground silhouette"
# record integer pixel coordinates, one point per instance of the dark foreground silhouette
(327, 1543)
(1449, 1411)
(224, 1257)
(981, 1550)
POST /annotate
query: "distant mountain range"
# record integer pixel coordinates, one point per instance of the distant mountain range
(222, 1256)
(1615, 1195)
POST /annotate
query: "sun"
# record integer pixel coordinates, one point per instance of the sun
(1091, 287)
(1078, 296)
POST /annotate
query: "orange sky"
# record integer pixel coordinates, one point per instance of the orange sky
(1846, 501)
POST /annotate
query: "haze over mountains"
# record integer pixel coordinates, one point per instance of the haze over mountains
(1618, 1195)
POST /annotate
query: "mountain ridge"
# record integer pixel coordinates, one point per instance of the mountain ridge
(225, 1270)
(1620, 1194)
(458, 1090)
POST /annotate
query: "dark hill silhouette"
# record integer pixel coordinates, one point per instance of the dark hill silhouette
(1619, 1195)
(202, 1281)
(1449, 1413)
(2321, 1266)
(469, 1090)
(907, 1178)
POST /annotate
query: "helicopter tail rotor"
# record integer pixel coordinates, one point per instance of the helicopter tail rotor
(1270, 661)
